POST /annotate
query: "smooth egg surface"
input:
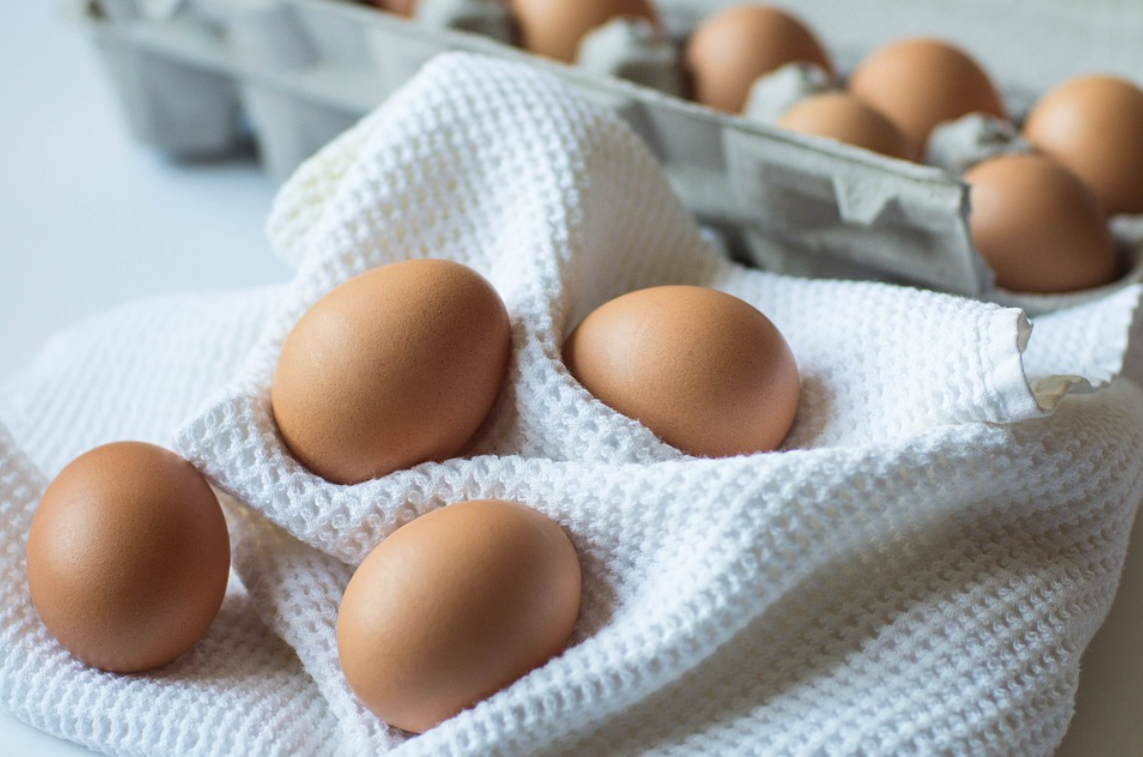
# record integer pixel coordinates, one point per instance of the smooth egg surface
(732, 48)
(395, 367)
(706, 372)
(1038, 227)
(1093, 125)
(128, 557)
(919, 83)
(404, 8)
(555, 28)
(844, 118)
(455, 606)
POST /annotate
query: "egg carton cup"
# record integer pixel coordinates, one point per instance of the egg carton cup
(956, 146)
(917, 572)
(975, 138)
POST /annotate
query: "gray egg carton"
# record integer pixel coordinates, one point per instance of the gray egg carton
(197, 77)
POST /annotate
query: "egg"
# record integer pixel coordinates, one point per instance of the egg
(842, 117)
(455, 606)
(1038, 227)
(730, 49)
(919, 83)
(555, 28)
(706, 372)
(395, 367)
(1093, 125)
(404, 8)
(128, 557)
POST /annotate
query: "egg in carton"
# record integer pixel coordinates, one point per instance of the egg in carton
(1076, 240)
(299, 72)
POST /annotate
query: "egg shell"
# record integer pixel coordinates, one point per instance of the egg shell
(555, 28)
(844, 118)
(404, 8)
(730, 49)
(453, 607)
(1038, 227)
(128, 557)
(395, 367)
(1093, 125)
(920, 82)
(706, 372)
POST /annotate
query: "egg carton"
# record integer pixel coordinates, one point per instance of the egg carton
(199, 77)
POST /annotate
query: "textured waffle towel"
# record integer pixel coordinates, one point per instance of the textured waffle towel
(916, 573)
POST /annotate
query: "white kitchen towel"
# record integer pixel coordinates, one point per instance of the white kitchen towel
(916, 572)
(132, 373)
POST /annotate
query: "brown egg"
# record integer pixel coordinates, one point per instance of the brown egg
(395, 367)
(1038, 227)
(128, 557)
(732, 48)
(705, 371)
(404, 8)
(919, 83)
(842, 117)
(454, 607)
(555, 28)
(1093, 125)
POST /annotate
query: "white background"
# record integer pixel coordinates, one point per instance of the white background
(89, 219)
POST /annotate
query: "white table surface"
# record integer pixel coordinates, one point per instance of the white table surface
(89, 219)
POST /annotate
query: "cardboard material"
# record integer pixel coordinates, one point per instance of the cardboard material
(195, 77)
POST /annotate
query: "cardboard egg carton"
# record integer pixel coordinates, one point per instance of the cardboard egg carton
(198, 77)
